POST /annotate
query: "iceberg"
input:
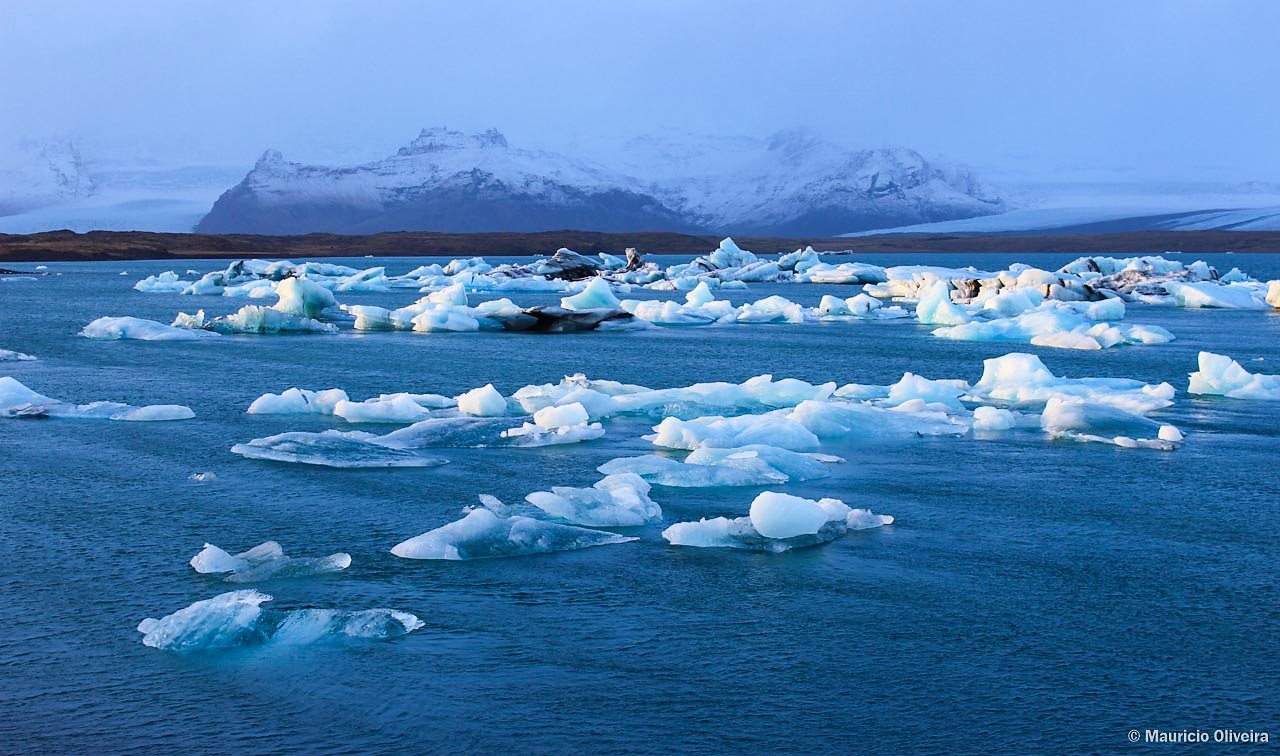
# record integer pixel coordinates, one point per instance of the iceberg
(108, 328)
(1217, 295)
(1079, 419)
(936, 308)
(616, 501)
(481, 534)
(302, 298)
(332, 448)
(8, 355)
(1219, 375)
(266, 561)
(709, 467)
(597, 295)
(297, 401)
(776, 523)
(16, 400)
(254, 319)
(483, 402)
(770, 429)
(1021, 380)
(236, 619)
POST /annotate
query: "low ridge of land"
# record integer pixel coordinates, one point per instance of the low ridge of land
(144, 245)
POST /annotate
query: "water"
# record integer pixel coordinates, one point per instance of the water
(1032, 594)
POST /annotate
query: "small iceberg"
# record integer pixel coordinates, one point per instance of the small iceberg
(236, 619)
(333, 448)
(266, 561)
(8, 355)
(16, 400)
(107, 329)
(1079, 419)
(776, 523)
(709, 467)
(481, 534)
(617, 501)
(1220, 375)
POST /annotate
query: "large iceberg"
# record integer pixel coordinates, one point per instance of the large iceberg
(1220, 375)
(777, 522)
(236, 619)
(482, 534)
(266, 561)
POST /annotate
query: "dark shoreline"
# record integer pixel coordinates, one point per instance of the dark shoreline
(62, 246)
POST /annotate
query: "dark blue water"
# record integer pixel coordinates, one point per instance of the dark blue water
(1032, 595)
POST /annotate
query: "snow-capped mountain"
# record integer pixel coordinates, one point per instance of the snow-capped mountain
(444, 180)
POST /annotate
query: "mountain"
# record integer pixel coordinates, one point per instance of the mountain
(791, 184)
(441, 181)
(41, 174)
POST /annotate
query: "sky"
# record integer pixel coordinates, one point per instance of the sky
(1172, 89)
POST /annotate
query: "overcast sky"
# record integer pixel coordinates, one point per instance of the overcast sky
(1179, 88)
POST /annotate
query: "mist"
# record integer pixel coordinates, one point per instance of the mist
(1172, 89)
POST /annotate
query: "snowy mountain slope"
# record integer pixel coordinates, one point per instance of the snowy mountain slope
(449, 181)
(442, 180)
(797, 183)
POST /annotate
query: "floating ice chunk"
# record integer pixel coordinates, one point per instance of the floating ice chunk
(810, 523)
(1217, 295)
(701, 295)
(16, 400)
(530, 435)
(8, 355)
(1222, 376)
(1082, 420)
(707, 467)
(617, 501)
(236, 618)
(303, 298)
(1022, 380)
(108, 328)
(397, 409)
(936, 308)
(445, 319)
(296, 401)
(561, 415)
(1273, 293)
(454, 295)
(598, 294)
(258, 320)
(993, 419)
(155, 412)
(457, 432)
(778, 515)
(850, 420)
(912, 386)
(769, 429)
(774, 309)
(266, 561)
(483, 402)
(482, 534)
(203, 477)
(166, 282)
(333, 448)
(1055, 324)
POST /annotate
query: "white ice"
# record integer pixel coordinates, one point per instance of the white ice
(266, 561)
(616, 501)
(1220, 375)
(108, 328)
(793, 522)
(482, 534)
